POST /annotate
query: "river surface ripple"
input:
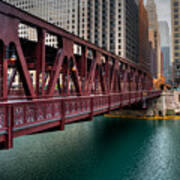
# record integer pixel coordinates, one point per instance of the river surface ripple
(104, 149)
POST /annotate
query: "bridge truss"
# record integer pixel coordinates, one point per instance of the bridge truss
(74, 79)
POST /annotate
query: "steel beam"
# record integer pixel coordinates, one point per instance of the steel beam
(24, 17)
(75, 76)
(4, 71)
(40, 62)
(56, 68)
(11, 80)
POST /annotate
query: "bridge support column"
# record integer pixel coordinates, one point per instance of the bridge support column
(109, 103)
(4, 71)
(40, 64)
(92, 109)
(83, 68)
(9, 124)
(62, 124)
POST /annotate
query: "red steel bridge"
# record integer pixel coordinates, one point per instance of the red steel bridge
(68, 85)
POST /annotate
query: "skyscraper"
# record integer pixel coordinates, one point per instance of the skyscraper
(165, 48)
(154, 35)
(175, 17)
(110, 24)
(164, 33)
(64, 14)
(144, 51)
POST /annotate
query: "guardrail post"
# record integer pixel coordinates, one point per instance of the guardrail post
(109, 103)
(142, 95)
(62, 125)
(120, 100)
(9, 121)
(92, 108)
(129, 92)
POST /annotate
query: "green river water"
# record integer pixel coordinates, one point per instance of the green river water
(104, 149)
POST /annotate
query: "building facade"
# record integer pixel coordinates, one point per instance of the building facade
(153, 60)
(154, 35)
(144, 47)
(165, 48)
(175, 17)
(110, 24)
(164, 33)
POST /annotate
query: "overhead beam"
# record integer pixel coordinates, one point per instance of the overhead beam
(34, 21)
(40, 62)
(24, 73)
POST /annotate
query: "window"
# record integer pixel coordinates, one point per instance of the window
(176, 3)
(176, 41)
(176, 47)
(176, 22)
(176, 35)
(175, 10)
(176, 54)
(176, 16)
(176, 29)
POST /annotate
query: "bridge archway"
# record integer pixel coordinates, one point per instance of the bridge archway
(2, 45)
(2, 58)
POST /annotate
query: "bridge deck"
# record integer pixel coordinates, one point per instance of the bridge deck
(22, 117)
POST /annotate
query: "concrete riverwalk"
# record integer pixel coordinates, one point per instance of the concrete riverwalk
(166, 107)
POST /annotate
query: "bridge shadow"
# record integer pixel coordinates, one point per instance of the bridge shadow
(85, 150)
(57, 128)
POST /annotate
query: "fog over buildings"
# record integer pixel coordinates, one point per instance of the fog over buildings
(163, 10)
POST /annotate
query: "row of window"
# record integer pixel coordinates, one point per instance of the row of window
(176, 54)
(176, 3)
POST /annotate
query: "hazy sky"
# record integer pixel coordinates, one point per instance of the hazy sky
(164, 10)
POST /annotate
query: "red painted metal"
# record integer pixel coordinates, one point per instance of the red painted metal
(56, 70)
(5, 79)
(19, 118)
(12, 78)
(68, 86)
(40, 64)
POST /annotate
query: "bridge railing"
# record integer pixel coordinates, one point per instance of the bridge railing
(153, 93)
(76, 107)
(27, 114)
(3, 122)
(24, 117)
(44, 109)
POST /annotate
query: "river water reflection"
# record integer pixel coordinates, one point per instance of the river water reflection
(105, 149)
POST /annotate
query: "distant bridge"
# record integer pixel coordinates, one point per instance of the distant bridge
(67, 87)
